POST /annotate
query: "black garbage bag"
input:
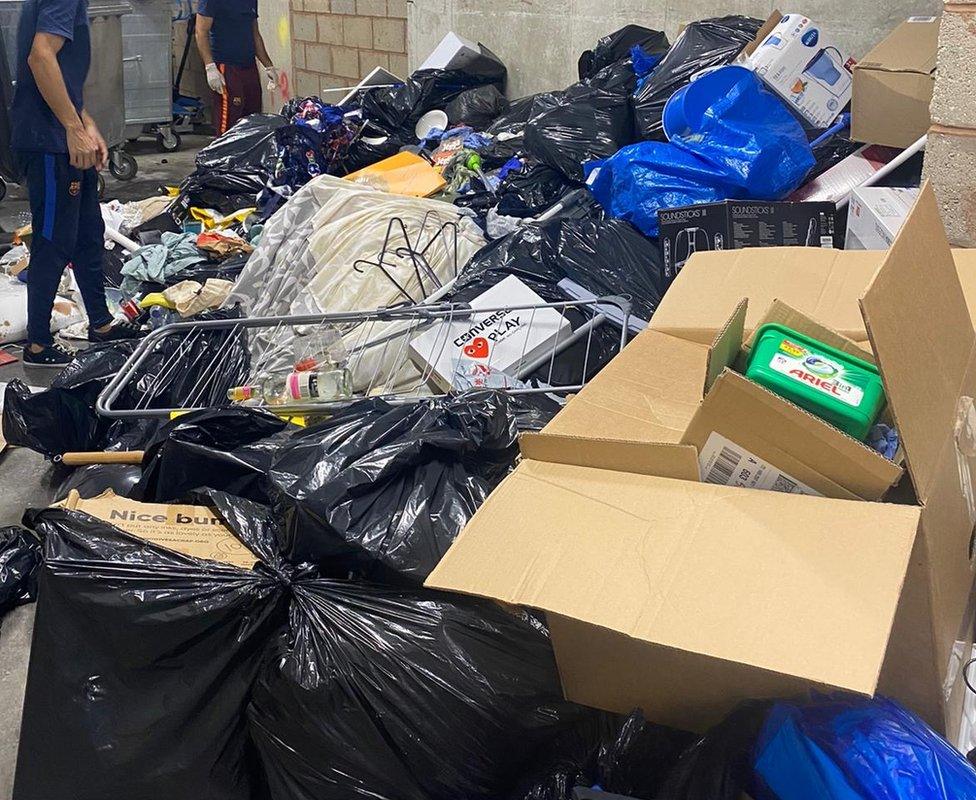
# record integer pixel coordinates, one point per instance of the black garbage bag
(384, 490)
(228, 449)
(508, 130)
(515, 116)
(226, 190)
(580, 125)
(568, 760)
(387, 694)
(616, 47)
(623, 755)
(604, 256)
(477, 108)
(719, 765)
(142, 664)
(94, 479)
(703, 44)
(607, 257)
(249, 145)
(373, 146)
(397, 108)
(20, 560)
(51, 422)
(829, 153)
(532, 191)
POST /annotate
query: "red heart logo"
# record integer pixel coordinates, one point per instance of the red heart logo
(477, 349)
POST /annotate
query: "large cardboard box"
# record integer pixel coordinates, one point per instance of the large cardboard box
(893, 85)
(683, 597)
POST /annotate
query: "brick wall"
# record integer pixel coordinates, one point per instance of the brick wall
(950, 152)
(337, 42)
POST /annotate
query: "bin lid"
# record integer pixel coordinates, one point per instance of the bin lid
(108, 8)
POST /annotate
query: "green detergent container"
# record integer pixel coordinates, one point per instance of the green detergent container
(841, 389)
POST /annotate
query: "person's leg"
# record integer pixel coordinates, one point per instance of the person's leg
(253, 97)
(89, 252)
(235, 93)
(54, 222)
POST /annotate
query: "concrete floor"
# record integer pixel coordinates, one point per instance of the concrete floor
(26, 479)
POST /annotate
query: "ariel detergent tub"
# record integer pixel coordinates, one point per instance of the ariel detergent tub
(839, 388)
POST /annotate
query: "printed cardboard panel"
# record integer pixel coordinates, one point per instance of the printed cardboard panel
(194, 531)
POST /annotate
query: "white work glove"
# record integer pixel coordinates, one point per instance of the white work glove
(215, 80)
(272, 73)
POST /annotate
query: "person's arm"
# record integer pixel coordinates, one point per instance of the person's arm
(270, 70)
(202, 34)
(260, 49)
(96, 134)
(83, 150)
(215, 80)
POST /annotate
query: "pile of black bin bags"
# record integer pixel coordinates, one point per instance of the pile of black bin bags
(188, 678)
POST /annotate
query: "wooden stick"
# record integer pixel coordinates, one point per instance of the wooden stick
(103, 457)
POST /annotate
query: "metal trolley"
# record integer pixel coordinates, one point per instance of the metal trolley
(224, 353)
(147, 42)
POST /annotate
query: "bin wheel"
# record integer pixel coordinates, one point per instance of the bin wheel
(170, 143)
(3, 189)
(101, 186)
(124, 168)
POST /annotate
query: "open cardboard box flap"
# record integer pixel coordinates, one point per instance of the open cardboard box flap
(684, 598)
(922, 334)
(824, 284)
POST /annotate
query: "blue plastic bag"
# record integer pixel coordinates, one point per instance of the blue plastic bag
(851, 748)
(745, 145)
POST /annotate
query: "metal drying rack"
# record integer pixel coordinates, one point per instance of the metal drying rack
(379, 358)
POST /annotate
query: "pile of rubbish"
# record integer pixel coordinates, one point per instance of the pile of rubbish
(418, 499)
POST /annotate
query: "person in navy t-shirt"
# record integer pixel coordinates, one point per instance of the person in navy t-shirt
(59, 149)
(229, 42)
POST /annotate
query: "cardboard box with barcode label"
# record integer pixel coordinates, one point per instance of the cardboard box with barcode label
(683, 597)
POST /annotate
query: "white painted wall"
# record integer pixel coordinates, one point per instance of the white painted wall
(273, 19)
(540, 40)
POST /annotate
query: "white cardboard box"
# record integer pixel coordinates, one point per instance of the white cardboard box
(798, 62)
(875, 216)
(504, 341)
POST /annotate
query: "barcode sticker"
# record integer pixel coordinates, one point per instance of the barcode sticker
(723, 462)
(827, 241)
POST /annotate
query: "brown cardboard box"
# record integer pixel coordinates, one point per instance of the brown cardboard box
(192, 530)
(683, 597)
(824, 284)
(893, 85)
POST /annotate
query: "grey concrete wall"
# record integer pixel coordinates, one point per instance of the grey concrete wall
(540, 40)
